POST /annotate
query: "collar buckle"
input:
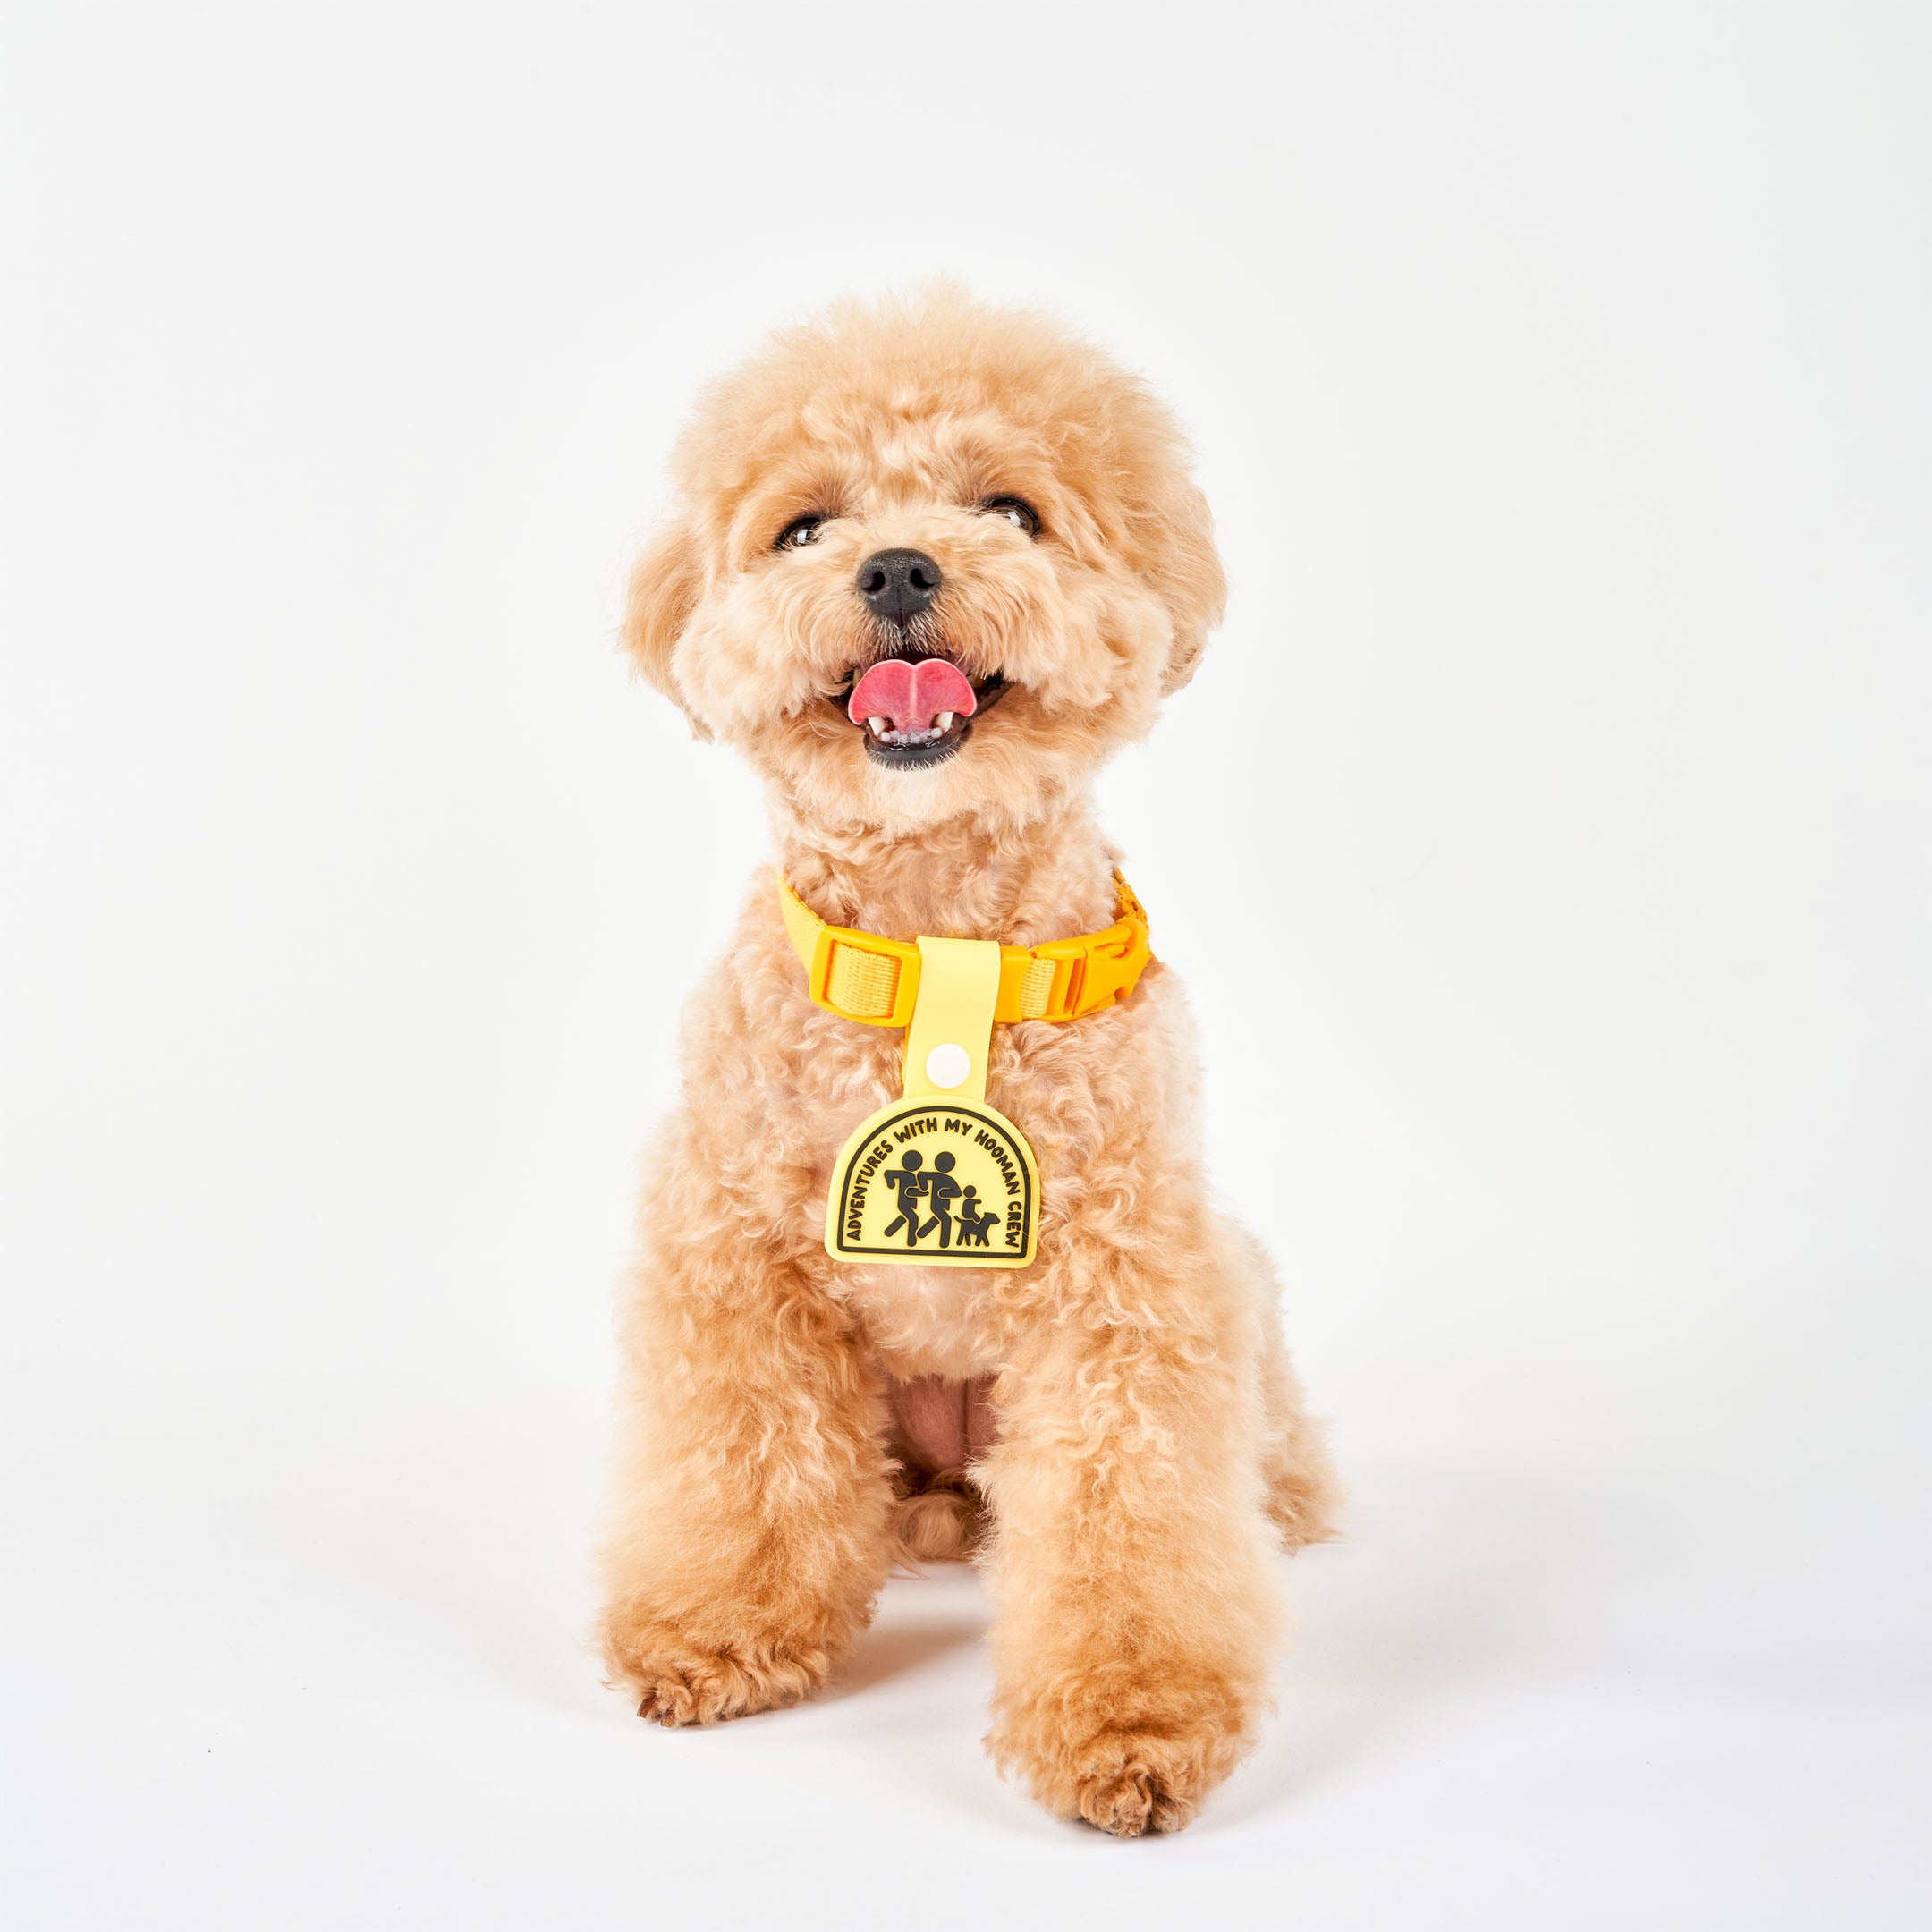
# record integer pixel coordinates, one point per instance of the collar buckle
(1094, 971)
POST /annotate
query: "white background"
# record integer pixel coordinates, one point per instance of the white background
(1543, 840)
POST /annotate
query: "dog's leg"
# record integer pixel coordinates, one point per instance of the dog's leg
(751, 1525)
(1133, 1559)
(1304, 1495)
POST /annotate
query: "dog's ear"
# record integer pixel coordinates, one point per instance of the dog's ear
(664, 589)
(1188, 574)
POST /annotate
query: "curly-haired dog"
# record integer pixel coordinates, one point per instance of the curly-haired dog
(935, 483)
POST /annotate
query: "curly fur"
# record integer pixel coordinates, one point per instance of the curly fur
(1134, 1448)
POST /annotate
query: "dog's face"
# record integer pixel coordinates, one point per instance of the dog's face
(929, 560)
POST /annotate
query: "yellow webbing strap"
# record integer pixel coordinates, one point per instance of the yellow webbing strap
(861, 976)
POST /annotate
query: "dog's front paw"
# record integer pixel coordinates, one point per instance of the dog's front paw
(1130, 1782)
(681, 1680)
(1128, 1764)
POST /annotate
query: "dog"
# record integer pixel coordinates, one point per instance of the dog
(987, 520)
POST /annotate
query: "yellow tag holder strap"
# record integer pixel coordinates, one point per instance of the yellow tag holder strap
(861, 975)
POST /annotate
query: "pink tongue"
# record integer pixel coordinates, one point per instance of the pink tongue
(912, 695)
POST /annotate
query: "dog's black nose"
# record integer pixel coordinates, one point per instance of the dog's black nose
(898, 584)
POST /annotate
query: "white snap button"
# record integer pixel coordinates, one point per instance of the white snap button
(947, 1065)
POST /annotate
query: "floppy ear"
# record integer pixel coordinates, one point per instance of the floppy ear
(664, 589)
(1189, 577)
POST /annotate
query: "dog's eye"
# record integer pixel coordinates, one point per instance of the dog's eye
(1022, 516)
(798, 532)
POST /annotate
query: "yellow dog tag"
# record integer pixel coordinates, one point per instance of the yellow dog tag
(939, 1178)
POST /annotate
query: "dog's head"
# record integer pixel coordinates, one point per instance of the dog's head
(926, 559)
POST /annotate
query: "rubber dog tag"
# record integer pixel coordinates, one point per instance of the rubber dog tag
(940, 1179)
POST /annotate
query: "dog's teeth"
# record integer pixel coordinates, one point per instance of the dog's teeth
(877, 726)
(944, 721)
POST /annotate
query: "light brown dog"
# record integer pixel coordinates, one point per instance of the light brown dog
(1121, 1411)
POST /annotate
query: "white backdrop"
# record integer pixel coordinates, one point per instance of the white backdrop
(1559, 378)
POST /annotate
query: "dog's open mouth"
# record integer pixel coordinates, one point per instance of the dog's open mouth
(916, 711)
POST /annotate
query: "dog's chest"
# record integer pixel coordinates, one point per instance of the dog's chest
(917, 1320)
(1082, 1093)
(922, 1320)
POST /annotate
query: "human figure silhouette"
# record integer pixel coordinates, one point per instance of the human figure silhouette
(908, 1184)
(942, 1189)
(973, 1226)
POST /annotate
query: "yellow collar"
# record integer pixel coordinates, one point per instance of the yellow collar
(859, 975)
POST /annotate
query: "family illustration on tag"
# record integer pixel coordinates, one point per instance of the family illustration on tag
(917, 1186)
